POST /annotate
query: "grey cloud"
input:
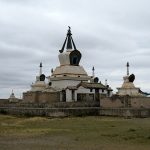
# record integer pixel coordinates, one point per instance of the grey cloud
(108, 32)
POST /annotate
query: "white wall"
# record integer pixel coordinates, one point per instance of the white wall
(84, 90)
(129, 91)
(64, 58)
(62, 84)
(68, 95)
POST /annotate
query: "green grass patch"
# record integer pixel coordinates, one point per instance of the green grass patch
(86, 133)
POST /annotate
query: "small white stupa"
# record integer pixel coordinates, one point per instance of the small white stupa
(12, 97)
(128, 87)
(39, 84)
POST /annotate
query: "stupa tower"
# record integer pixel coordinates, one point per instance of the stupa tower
(128, 87)
(127, 68)
(40, 81)
(69, 72)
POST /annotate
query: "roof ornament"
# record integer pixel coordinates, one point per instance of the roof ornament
(128, 68)
(12, 95)
(106, 82)
(41, 68)
(93, 72)
(52, 70)
(68, 41)
(40, 64)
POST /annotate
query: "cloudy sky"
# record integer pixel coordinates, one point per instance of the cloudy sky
(107, 32)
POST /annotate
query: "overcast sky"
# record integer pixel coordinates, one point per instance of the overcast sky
(107, 32)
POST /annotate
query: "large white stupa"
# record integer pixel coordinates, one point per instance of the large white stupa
(69, 72)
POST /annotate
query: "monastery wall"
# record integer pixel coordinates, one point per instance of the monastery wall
(47, 97)
(75, 111)
(125, 101)
(109, 103)
(138, 102)
(62, 109)
(41, 97)
(29, 96)
(3, 101)
(125, 112)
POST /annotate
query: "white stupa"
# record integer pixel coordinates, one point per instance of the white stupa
(12, 97)
(128, 87)
(69, 72)
(39, 84)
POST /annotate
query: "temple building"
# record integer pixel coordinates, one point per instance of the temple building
(128, 87)
(69, 81)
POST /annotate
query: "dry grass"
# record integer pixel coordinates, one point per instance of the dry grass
(81, 133)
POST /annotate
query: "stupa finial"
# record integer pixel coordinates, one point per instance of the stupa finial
(93, 71)
(69, 43)
(128, 68)
(41, 68)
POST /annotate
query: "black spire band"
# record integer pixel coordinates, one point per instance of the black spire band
(69, 41)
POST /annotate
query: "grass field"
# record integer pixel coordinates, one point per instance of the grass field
(81, 133)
